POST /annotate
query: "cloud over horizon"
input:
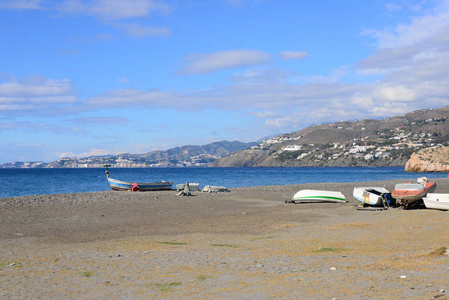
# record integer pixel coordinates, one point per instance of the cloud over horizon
(204, 63)
(294, 54)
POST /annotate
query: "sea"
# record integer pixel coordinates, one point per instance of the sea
(28, 182)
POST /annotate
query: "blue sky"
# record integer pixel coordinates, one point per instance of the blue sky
(81, 78)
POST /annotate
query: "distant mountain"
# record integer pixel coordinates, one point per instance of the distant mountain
(185, 156)
(385, 142)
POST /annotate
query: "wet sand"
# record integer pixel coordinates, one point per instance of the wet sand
(246, 244)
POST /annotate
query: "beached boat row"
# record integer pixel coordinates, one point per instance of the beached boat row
(185, 189)
(403, 195)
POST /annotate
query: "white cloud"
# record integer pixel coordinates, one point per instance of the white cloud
(260, 76)
(300, 118)
(131, 96)
(112, 121)
(335, 76)
(107, 10)
(21, 4)
(417, 31)
(112, 9)
(265, 114)
(42, 90)
(41, 126)
(413, 60)
(293, 55)
(92, 152)
(73, 7)
(123, 9)
(103, 9)
(395, 93)
(212, 62)
(393, 7)
(34, 93)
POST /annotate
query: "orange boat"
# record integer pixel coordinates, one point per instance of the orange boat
(408, 193)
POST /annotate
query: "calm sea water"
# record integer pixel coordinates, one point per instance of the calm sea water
(27, 182)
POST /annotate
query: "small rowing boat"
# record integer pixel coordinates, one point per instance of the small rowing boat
(437, 201)
(374, 196)
(316, 196)
(118, 185)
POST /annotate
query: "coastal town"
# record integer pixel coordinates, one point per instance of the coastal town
(385, 142)
(399, 142)
(185, 156)
(116, 161)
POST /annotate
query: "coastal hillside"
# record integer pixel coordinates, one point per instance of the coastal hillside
(185, 156)
(386, 142)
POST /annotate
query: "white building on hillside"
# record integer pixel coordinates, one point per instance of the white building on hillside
(292, 148)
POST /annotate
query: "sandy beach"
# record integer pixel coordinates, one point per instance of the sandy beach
(246, 244)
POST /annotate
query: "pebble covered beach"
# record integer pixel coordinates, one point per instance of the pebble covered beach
(245, 244)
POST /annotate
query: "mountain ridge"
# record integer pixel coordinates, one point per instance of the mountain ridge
(182, 156)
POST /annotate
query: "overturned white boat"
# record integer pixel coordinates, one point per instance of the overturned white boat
(316, 196)
(374, 196)
(437, 201)
(215, 189)
(192, 186)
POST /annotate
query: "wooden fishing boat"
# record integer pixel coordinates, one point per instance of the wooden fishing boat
(374, 196)
(316, 196)
(437, 201)
(409, 193)
(118, 185)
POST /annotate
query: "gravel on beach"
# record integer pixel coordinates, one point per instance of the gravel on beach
(245, 244)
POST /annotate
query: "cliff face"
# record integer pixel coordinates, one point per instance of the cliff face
(429, 160)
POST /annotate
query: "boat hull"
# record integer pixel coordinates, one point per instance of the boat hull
(118, 185)
(411, 193)
(437, 201)
(312, 196)
(371, 195)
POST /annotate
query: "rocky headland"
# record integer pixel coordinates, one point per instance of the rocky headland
(429, 160)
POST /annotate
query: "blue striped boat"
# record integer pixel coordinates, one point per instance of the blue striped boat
(118, 185)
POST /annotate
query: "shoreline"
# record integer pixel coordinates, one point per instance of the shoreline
(116, 207)
(88, 180)
(337, 186)
(248, 242)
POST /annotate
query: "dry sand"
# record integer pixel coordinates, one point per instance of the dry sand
(246, 244)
